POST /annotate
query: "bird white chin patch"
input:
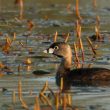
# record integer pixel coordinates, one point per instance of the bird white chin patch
(51, 50)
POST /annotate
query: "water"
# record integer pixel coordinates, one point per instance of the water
(49, 17)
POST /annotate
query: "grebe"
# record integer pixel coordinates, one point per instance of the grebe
(63, 50)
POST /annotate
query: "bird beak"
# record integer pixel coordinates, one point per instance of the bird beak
(45, 51)
(50, 50)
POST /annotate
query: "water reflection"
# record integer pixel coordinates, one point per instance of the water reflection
(68, 83)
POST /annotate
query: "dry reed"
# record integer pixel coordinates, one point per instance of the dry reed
(21, 6)
(97, 21)
(77, 62)
(67, 37)
(36, 105)
(94, 4)
(7, 45)
(30, 25)
(43, 98)
(14, 97)
(21, 44)
(69, 99)
(61, 84)
(20, 3)
(64, 102)
(90, 44)
(89, 65)
(55, 36)
(28, 61)
(45, 87)
(82, 48)
(80, 43)
(57, 101)
(68, 7)
(24, 105)
(77, 10)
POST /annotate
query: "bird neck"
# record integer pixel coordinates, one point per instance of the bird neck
(65, 65)
(66, 62)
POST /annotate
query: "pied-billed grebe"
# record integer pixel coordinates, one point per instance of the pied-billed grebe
(63, 50)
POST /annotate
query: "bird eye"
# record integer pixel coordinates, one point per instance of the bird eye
(56, 47)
